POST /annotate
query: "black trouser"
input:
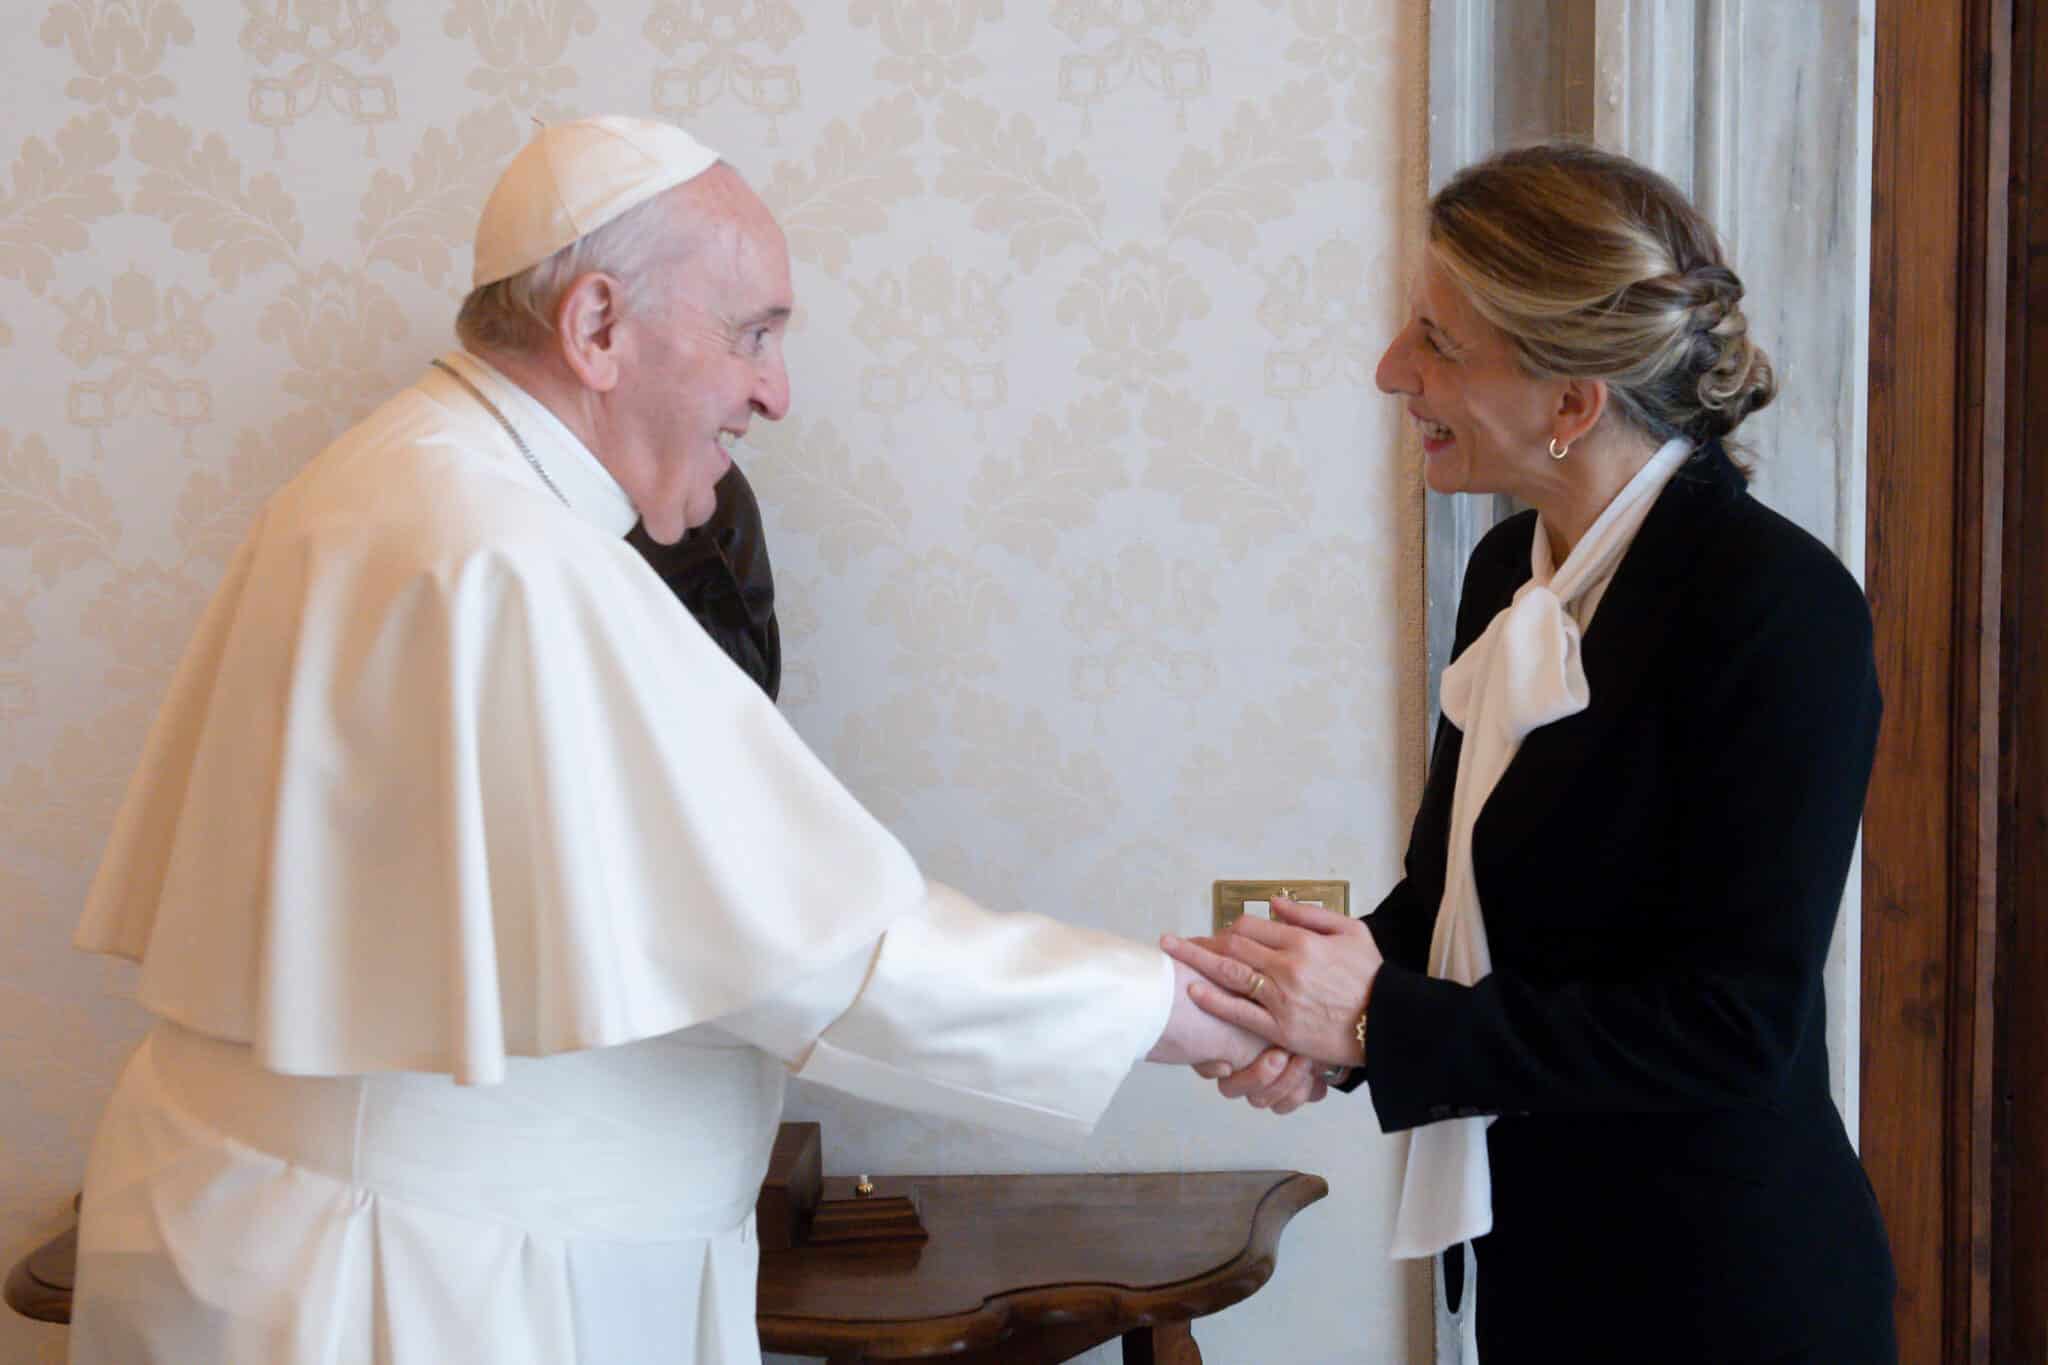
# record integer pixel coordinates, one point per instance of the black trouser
(1598, 1334)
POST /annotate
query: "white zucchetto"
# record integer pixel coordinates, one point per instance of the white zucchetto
(572, 179)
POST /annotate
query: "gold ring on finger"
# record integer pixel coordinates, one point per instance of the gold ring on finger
(1251, 992)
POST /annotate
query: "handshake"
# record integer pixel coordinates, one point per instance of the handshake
(1273, 1009)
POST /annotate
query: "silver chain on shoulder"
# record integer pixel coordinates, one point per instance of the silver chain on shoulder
(492, 408)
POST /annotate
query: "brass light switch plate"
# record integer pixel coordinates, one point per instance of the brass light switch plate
(1229, 898)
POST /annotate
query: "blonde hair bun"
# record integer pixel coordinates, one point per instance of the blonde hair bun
(1736, 377)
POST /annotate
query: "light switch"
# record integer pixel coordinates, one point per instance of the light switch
(1230, 900)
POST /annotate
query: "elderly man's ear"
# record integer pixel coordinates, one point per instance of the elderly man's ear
(587, 330)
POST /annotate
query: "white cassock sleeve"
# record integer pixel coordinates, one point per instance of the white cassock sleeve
(448, 777)
(1011, 1021)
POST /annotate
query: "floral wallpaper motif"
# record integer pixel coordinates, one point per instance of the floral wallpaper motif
(933, 336)
(323, 51)
(521, 45)
(1098, 555)
(1133, 42)
(930, 42)
(143, 341)
(117, 49)
(707, 39)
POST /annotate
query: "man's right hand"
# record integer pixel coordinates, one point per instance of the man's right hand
(1193, 1035)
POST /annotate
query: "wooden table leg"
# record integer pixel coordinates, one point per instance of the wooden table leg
(1168, 1343)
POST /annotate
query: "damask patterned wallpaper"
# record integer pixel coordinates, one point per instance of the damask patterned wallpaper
(1098, 553)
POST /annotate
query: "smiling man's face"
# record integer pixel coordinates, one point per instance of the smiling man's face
(705, 355)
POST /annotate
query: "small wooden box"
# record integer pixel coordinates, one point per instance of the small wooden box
(888, 1213)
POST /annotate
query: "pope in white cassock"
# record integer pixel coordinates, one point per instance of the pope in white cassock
(484, 904)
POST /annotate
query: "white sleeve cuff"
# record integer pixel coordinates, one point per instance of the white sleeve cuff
(1011, 1021)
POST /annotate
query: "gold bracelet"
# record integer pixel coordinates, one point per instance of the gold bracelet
(1334, 1074)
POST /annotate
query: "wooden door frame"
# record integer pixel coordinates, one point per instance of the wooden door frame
(1955, 875)
(2019, 1133)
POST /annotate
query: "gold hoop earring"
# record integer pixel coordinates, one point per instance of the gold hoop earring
(1557, 454)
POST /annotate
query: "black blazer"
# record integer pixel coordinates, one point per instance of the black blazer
(1660, 876)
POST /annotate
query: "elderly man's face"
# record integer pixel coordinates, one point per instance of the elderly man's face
(707, 356)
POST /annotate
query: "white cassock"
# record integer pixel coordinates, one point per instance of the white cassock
(485, 906)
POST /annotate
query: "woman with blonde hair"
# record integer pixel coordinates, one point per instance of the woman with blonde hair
(1594, 998)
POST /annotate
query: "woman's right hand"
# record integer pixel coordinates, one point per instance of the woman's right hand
(1300, 980)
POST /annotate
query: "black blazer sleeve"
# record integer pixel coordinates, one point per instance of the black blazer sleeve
(1779, 698)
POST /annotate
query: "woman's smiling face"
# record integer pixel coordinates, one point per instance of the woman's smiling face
(1486, 422)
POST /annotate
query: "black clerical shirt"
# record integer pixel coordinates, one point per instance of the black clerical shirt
(720, 572)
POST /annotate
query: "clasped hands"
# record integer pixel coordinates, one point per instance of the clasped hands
(1298, 983)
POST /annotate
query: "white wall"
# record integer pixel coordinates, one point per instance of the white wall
(1097, 551)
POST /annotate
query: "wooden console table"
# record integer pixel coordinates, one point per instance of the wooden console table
(1035, 1269)
(39, 1285)
(1019, 1269)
